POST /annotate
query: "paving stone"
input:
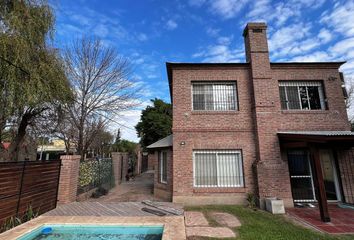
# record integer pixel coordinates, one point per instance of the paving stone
(225, 219)
(195, 219)
(213, 232)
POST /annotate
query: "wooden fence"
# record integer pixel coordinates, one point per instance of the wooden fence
(28, 184)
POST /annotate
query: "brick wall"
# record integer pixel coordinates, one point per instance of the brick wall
(253, 128)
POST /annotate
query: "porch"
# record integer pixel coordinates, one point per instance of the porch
(342, 219)
(321, 170)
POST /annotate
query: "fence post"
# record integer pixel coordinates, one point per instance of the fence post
(116, 164)
(69, 177)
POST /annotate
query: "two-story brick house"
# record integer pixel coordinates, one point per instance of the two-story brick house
(272, 129)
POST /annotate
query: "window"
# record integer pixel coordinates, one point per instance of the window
(301, 95)
(163, 166)
(214, 96)
(217, 168)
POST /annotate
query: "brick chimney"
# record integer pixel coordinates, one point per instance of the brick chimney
(266, 99)
(256, 43)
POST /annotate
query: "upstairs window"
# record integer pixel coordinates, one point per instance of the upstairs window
(214, 96)
(301, 95)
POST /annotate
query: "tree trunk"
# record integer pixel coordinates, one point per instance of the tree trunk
(21, 133)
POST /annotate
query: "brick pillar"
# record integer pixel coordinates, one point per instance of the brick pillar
(117, 164)
(138, 163)
(125, 157)
(69, 177)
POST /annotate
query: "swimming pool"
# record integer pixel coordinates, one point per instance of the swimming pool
(93, 232)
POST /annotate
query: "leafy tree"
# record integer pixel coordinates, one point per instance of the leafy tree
(125, 146)
(32, 77)
(155, 122)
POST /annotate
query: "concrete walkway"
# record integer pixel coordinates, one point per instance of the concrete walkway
(136, 190)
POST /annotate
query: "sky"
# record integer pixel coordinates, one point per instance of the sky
(152, 32)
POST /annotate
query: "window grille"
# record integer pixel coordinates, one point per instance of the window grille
(222, 168)
(163, 166)
(214, 96)
(301, 95)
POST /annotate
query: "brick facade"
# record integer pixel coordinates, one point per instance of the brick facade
(253, 127)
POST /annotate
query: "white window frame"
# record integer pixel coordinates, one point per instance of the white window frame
(239, 152)
(306, 84)
(161, 163)
(233, 83)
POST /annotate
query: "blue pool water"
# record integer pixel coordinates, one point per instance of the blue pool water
(94, 232)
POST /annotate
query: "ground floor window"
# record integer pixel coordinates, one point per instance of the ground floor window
(221, 168)
(163, 166)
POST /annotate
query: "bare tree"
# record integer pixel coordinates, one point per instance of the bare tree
(349, 102)
(101, 85)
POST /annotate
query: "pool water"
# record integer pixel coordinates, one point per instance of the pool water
(95, 232)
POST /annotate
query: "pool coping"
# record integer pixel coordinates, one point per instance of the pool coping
(174, 228)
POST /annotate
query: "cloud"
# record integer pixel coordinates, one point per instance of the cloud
(76, 20)
(343, 46)
(280, 12)
(142, 37)
(171, 24)
(287, 40)
(341, 19)
(319, 56)
(220, 53)
(227, 8)
(213, 32)
(325, 35)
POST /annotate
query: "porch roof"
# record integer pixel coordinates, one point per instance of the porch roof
(162, 143)
(345, 137)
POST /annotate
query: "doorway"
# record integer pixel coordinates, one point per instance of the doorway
(301, 175)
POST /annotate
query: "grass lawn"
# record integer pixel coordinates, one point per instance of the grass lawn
(260, 225)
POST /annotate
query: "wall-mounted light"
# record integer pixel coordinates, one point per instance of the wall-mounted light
(182, 143)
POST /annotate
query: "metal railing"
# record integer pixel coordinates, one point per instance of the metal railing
(94, 173)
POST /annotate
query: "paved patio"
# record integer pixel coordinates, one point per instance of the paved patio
(342, 219)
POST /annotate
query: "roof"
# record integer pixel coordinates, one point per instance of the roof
(6, 145)
(162, 143)
(170, 65)
(319, 133)
(341, 138)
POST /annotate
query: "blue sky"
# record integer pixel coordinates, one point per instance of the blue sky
(151, 32)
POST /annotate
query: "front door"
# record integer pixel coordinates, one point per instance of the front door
(301, 175)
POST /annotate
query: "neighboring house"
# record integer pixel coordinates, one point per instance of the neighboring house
(27, 150)
(268, 128)
(51, 151)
